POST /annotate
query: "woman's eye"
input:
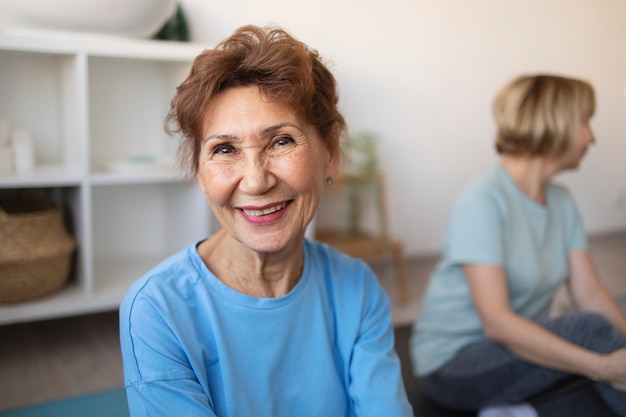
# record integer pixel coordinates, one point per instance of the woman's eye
(222, 149)
(283, 140)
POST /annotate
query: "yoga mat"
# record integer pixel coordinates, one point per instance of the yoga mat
(111, 403)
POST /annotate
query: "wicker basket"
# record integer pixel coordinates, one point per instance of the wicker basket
(35, 249)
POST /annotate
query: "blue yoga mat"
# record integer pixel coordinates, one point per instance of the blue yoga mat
(111, 403)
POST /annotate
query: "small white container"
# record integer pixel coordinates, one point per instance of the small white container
(23, 151)
(6, 159)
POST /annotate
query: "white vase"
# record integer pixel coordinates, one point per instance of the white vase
(131, 18)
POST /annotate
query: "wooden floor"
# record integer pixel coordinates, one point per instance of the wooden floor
(53, 359)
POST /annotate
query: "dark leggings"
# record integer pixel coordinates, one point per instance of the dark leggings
(486, 373)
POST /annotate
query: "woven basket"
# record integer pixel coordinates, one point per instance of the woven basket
(35, 249)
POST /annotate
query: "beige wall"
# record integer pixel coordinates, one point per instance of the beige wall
(421, 74)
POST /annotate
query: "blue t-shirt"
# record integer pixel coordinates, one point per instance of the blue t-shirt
(193, 346)
(493, 222)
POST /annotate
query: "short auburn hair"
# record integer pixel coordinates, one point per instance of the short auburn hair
(285, 70)
(540, 115)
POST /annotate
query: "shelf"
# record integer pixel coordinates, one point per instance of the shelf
(72, 299)
(94, 103)
(152, 177)
(68, 301)
(58, 42)
(42, 176)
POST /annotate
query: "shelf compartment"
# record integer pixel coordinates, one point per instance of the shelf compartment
(136, 226)
(71, 199)
(41, 93)
(145, 221)
(69, 298)
(117, 275)
(129, 100)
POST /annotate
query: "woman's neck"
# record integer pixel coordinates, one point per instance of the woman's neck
(268, 275)
(531, 174)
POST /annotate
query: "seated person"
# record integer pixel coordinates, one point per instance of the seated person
(256, 320)
(484, 336)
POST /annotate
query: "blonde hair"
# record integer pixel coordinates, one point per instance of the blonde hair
(540, 115)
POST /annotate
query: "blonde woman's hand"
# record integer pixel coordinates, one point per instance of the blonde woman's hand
(614, 367)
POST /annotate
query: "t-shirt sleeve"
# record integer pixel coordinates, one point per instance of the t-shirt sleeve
(475, 231)
(576, 237)
(376, 385)
(158, 377)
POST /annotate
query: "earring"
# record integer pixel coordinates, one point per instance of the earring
(329, 180)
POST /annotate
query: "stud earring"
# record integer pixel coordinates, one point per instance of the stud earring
(329, 180)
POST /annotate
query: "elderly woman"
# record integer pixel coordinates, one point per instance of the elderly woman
(484, 336)
(256, 320)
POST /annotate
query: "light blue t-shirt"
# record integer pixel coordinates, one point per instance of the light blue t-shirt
(493, 222)
(193, 346)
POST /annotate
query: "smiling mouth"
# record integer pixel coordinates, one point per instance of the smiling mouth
(265, 211)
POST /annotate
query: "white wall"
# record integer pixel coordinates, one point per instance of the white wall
(421, 75)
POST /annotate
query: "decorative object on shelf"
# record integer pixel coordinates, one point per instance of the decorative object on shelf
(136, 18)
(35, 250)
(361, 161)
(23, 150)
(140, 163)
(176, 28)
(17, 153)
(361, 154)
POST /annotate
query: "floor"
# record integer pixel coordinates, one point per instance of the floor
(53, 359)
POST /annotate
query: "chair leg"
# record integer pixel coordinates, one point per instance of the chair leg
(402, 285)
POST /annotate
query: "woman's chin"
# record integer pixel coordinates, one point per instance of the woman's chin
(270, 242)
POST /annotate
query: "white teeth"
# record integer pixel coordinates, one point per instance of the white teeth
(266, 211)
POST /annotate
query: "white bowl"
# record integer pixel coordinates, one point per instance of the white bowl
(132, 18)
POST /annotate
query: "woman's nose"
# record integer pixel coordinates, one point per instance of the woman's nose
(256, 176)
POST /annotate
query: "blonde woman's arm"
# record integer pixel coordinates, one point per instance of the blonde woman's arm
(530, 341)
(589, 292)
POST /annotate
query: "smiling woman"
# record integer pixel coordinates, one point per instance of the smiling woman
(256, 319)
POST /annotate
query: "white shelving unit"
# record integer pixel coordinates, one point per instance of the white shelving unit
(95, 106)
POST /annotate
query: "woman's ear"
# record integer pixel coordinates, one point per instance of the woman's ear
(334, 154)
(334, 163)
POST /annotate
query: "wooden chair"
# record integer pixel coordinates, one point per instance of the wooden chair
(357, 241)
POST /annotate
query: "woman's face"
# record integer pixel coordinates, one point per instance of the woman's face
(585, 138)
(262, 169)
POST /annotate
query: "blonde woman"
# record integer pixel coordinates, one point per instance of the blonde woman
(484, 336)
